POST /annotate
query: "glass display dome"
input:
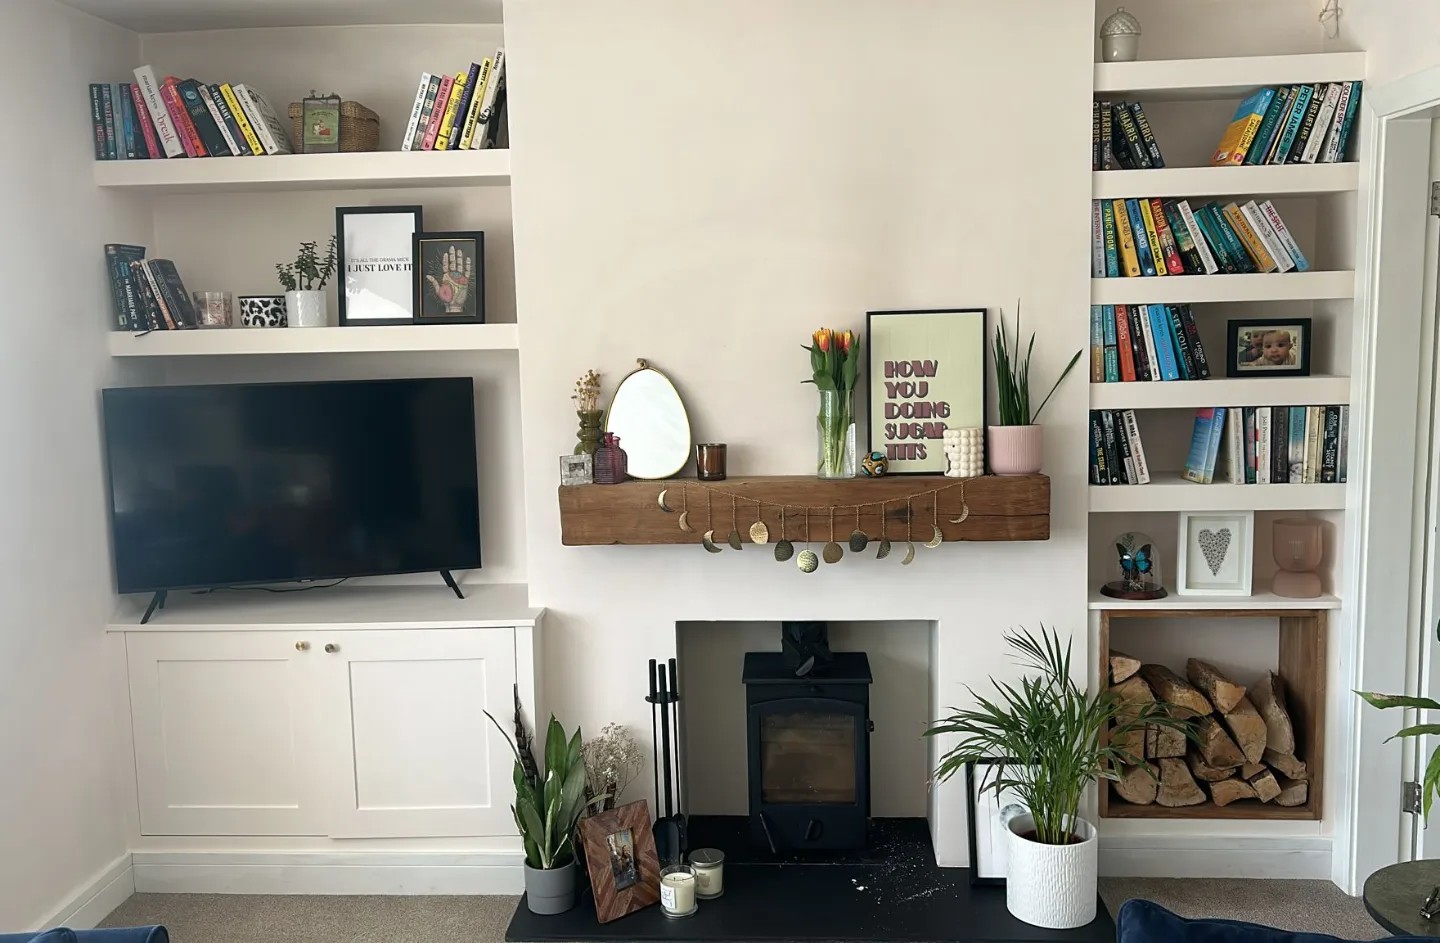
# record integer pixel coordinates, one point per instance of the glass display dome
(1135, 568)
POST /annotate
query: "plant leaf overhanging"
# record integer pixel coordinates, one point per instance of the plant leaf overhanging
(1012, 375)
(1430, 782)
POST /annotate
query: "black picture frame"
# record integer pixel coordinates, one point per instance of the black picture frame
(429, 280)
(972, 796)
(976, 385)
(1300, 330)
(392, 257)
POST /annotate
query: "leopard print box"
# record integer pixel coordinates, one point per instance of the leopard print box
(262, 310)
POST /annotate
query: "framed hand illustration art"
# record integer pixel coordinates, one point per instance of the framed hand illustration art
(449, 277)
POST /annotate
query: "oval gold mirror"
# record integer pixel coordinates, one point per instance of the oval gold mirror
(648, 416)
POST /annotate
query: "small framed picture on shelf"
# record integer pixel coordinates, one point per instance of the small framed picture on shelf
(1217, 553)
(927, 373)
(449, 281)
(620, 855)
(377, 262)
(987, 831)
(1268, 347)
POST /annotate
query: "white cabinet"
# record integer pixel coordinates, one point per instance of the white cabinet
(350, 734)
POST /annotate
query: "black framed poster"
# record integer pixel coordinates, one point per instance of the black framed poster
(376, 263)
(449, 280)
(927, 373)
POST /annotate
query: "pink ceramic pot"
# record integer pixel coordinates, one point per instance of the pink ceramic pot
(1015, 450)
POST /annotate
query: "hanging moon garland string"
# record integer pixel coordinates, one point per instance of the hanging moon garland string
(784, 550)
(807, 561)
(883, 550)
(708, 541)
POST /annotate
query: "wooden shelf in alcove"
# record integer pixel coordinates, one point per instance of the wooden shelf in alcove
(1001, 508)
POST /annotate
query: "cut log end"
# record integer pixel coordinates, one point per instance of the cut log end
(1216, 746)
(1230, 790)
(1267, 787)
(1139, 784)
(1293, 792)
(1164, 742)
(1268, 696)
(1248, 729)
(1122, 666)
(1221, 691)
(1204, 771)
(1173, 689)
(1287, 765)
(1177, 786)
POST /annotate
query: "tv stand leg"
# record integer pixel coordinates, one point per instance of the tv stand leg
(450, 582)
(157, 601)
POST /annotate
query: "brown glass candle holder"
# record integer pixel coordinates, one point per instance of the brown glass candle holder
(710, 461)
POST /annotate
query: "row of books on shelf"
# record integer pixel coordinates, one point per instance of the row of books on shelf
(1152, 237)
(1250, 445)
(1292, 124)
(147, 295)
(1154, 342)
(151, 119)
(1121, 139)
(459, 112)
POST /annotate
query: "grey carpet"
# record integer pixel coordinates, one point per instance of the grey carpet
(225, 918)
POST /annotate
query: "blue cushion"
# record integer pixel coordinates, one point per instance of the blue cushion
(58, 935)
(1144, 922)
(109, 935)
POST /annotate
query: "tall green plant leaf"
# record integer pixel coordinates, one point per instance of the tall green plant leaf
(1398, 700)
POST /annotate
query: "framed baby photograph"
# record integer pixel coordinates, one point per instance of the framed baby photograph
(1265, 347)
(449, 279)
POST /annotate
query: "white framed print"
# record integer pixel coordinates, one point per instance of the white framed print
(1217, 553)
(377, 263)
(988, 851)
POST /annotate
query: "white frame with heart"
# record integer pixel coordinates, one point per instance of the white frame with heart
(1194, 576)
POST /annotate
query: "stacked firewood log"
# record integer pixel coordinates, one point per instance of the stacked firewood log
(1243, 746)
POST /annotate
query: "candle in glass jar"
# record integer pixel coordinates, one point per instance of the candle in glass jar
(677, 890)
(710, 461)
(709, 865)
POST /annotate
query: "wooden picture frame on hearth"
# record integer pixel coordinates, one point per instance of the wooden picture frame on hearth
(620, 856)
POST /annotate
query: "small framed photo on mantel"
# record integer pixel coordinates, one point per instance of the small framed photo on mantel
(377, 263)
(1268, 347)
(449, 283)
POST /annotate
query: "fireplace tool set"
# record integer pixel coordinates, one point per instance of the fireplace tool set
(664, 701)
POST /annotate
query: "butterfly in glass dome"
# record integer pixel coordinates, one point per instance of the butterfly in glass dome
(1136, 564)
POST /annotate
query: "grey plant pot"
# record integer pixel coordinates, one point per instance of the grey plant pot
(552, 891)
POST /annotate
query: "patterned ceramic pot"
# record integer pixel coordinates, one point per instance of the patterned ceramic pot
(1051, 886)
(1015, 450)
(262, 311)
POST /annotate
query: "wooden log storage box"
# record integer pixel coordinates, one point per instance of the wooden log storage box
(1001, 508)
(1229, 773)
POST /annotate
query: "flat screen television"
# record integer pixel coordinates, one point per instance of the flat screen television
(229, 485)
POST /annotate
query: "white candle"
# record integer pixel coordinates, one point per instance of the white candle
(709, 864)
(677, 890)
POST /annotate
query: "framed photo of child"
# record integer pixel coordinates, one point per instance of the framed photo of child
(1266, 347)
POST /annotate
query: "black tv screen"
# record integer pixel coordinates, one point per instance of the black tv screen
(216, 486)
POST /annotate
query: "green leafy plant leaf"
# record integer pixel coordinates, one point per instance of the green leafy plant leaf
(1384, 701)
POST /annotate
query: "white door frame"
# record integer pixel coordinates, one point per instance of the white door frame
(1378, 618)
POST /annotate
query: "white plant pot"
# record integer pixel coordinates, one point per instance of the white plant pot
(1052, 886)
(305, 308)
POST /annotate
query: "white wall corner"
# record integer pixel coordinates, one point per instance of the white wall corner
(95, 898)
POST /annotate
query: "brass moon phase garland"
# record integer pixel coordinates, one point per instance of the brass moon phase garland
(833, 552)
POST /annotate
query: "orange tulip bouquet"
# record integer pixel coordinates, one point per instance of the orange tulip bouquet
(834, 365)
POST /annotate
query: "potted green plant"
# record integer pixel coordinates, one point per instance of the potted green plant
(1016, 445)
(1430, 782)
(548, 805)
(304, 281)
(1047, 731)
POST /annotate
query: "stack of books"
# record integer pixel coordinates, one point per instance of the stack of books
(1117, 456)
(1153, 237)
(1266, 445)
(459, 112)
(1293, 124)
(151, 119)
(147, 295)
(1121, 139)
(1145, 342)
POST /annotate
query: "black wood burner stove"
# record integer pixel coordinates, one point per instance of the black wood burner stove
(809, 744)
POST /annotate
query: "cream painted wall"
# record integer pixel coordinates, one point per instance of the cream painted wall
(701, 185)
(1400, 36)
(1201, 29)
(63, 824)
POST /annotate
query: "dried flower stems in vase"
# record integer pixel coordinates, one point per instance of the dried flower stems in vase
(588, 411)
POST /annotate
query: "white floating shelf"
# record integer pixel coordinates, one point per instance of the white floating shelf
(1173, 602)
(1249, 391)
(1197, 79)
(1182, 289)
(1167, 491)
(316, 340)
(377, 170)
(1292, 179)
(167, 16)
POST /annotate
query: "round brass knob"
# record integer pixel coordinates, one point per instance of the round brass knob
(302, 646)
(331, 648)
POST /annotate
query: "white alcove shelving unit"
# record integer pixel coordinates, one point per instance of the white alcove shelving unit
(1189, 102)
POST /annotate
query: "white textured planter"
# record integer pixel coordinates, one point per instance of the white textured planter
(1052, 886)
(305, 308)
(1015, 450)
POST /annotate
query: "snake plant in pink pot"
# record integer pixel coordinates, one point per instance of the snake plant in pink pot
(1016, 445)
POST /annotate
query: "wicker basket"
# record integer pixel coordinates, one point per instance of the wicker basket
(359, 128)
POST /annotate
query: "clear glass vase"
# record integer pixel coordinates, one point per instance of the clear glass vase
(835, 435)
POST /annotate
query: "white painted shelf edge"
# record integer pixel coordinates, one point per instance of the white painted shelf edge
(1180, 394)
(1304, 179)
(374, 170)
(1183, 289)
(1174, 602)
(316, 340)
(338, 608)
(1167, 491)
(1159, 80)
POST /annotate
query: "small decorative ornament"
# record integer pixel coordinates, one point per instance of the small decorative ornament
(784, 549)
(708, 541)
(759, 533)
(734, 538)
(576, 470)
(833, 552)
(874, 465)
(964, 452)
(587, 410)
(1120, 37)
(1137, 570)
(710, 461)
(807, 561)
(263, 311)
(610, 461)
(213, 308)
(661, 501)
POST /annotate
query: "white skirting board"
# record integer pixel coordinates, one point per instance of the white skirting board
(106, 890)
(1157, 856)
(327, 873)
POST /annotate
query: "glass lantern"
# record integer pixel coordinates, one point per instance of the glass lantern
(1135, 567)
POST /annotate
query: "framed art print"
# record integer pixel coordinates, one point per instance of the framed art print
(620, 857)
(376, 263)
(987, 833)
(449, 278)
(927, 372)
(1217, 553)
(1267, 347)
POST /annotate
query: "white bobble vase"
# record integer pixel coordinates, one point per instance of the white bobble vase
(305, 308)
(1052, 886)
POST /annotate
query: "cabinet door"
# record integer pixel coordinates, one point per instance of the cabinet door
(220, 734)
(409, 749)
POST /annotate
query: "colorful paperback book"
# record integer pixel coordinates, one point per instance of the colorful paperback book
(1107, 132)
(1152, 147)
(263, 119)
(1147, 334)
(1112, 353)
(1242, 130)
(1233, 450)
(242, 120)
(1112, 448)
(1164, 345)
(1128, 475)
(1291, 128)
(1269, 127)
(1279, 445)
(437, 114)
(1129, 133)
(487, 123)
(1233, 245)
(1298, 419)
(427, 110)
(1097, 345)
(1152, 236)
(1097, 240)
(462, 110)
(1197, 237)
(1129, 255)
(1341, 472)
(1307, 124)
(1183, 356)
(1314, 434)
(1329, 153)
(1217, 435)
(1272, 215)
(1249, 239)
(1125, 344)
(107, 117)
(408, 142)
(1211, 238)
(1199, 455)
(1315, 143)
(1099, 474)
(1267, 235)
(1197, 347)
(1137, 448)
(1351, 109)
(472, 115)
(1142, 240)
(1330, 446)
(1190, 260)
(1264, 437)
(1137, 341)
(452, 107)
(1249, 416)
(1170, 249)
(134, 148)
(1112, 247)
(165, 131)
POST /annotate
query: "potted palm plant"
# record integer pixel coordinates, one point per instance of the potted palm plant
(1047, 730)
(548, 805)
(1016, 446)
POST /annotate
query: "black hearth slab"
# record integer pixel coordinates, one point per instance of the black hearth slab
(811, 904)
(890, 840)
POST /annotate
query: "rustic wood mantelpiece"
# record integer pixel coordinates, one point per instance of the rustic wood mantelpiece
(1001, 508)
